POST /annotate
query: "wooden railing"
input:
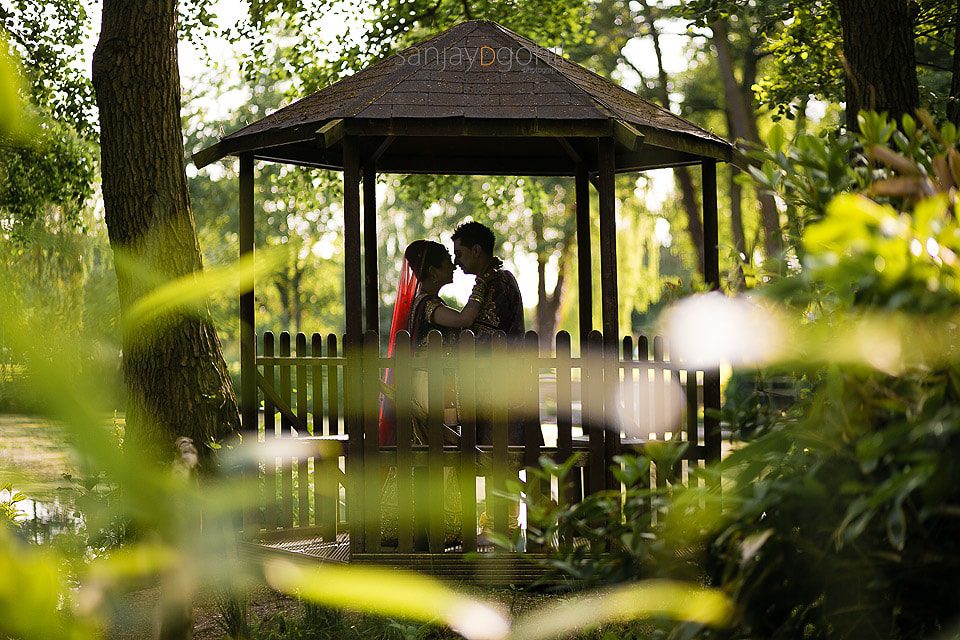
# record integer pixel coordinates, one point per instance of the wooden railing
(592, 405)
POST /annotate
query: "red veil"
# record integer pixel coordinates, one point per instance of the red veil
(406, 292)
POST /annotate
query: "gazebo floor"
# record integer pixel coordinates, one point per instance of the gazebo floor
(486, 567)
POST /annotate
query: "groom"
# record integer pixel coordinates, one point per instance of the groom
(495, 296)
(496, 300)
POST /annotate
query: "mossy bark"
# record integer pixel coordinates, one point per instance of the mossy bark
(176, 378)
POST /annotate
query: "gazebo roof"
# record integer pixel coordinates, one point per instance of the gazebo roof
(477, 98)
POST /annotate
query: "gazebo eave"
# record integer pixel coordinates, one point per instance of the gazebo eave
(319, 144)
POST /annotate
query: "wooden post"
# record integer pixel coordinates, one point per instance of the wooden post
(303, 504)
(592, 385)
(352, 345)
(371, 292)
(403, 375)
(711, 241)
(468, 439)
(248, 330)
(370, 392)
(609, 301)
(351, 238)
(609, 304)
(286, 431)
(271, 509)
(435, 507)
(584, 258)
(711, 265)
(568, 493)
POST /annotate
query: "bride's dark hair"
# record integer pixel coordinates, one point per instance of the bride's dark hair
(423, 254)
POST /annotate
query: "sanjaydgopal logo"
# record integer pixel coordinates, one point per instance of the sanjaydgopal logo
(484, 56)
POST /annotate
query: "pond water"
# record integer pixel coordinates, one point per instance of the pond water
(36, 460)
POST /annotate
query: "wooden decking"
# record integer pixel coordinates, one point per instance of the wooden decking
(487, 566)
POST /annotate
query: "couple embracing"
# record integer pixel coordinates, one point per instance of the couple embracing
(494, 305)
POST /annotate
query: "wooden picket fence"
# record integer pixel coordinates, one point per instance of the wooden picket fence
(325, 397)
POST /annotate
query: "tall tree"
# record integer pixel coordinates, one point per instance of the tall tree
(742, 117)
(688, 192)
(953, 106)
(878, 45)
(175, 374)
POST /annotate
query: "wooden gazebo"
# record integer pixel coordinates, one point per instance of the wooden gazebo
(475, 99)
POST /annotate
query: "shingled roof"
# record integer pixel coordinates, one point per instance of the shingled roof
(476, 98)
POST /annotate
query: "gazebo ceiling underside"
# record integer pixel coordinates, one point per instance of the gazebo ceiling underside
(500, 155)
(475, 99)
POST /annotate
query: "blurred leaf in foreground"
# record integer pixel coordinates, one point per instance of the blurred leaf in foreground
(190, 292)
(392, 593)
(15, 125)
(642, 600)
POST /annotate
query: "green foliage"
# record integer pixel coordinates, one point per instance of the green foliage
(839, 517)
(47, 184)
(607, 538)
(799, 67)
(47, 36)
(9, 511)
(839, 511)
(804, 40)
(896, 166)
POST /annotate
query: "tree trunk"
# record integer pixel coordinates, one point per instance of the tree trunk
(744, 126)
(953, 104)
(548, 305)
(174, 370)
(688, 192)
(881, 62)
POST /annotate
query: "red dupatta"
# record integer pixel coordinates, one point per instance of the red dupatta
(406, 292)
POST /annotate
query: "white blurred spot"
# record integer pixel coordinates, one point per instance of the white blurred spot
(709, 329)
(661, 232)
(650, 406)
(878, 344)
(477, 621)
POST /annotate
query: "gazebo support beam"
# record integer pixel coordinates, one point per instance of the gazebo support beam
(711, 267)
(352, 285)
(584, 257)
(609, 299)
(609, 302)
(248, 329)
(371, 292)
(711, 239)
(578, 159)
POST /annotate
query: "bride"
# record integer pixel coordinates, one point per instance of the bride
(427, 268)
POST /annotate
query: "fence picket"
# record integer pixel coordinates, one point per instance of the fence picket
(403, 374)
(435, 405)
(303, 500)
(353, 423)
(658, 394)
(271, 511)
(316, 408)
(286, 430)
(628, 388)
(593, 412)
(530, 415)
(373, 480)
(568, 493)
(499, 414)
(466, 379)
(333, 388)
(644, 408)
